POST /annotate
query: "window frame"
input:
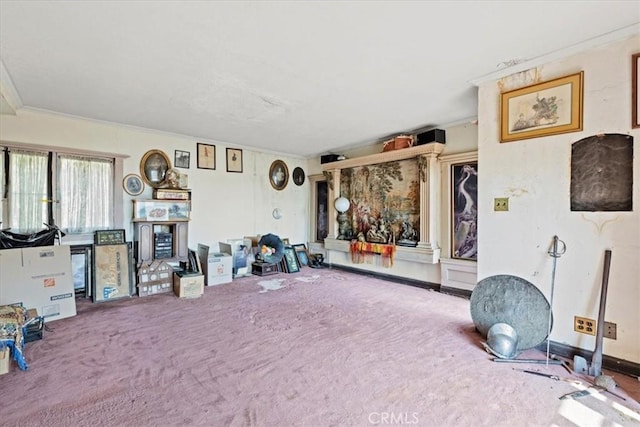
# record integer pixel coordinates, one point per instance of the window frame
(118, 193)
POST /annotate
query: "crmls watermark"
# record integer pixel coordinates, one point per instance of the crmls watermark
(393, 418)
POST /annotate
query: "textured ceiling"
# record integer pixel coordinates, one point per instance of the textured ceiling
(303, 78)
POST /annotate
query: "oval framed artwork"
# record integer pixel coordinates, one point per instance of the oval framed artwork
(278, 175)
(298, 176)
(133, 184)
(154, 166)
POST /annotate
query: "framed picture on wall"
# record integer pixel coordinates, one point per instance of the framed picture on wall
(133, 184)
(464, 212)
(278, 174)
(234, 160)
(298, 176)
(542, 109)
(182, 159)
(206, 156)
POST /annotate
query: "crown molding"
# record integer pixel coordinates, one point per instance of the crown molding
(8, 89)
(600, 40)
(155, 131)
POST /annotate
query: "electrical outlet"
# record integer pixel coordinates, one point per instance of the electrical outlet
(501, 204)
(584, 325)
(610, 330)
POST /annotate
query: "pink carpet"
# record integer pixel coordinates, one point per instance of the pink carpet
(316, 348)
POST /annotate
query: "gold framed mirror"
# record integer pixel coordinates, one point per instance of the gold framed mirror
(154, 166)
(278, 174)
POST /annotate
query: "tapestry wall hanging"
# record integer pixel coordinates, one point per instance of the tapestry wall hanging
(385, 203)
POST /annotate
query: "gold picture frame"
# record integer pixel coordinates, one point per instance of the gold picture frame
(635, 85)
(548, 108)
(154, 166)
(278, 175)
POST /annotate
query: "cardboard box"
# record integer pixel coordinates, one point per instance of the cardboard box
(217, 268)
(188, 285)
(5, 360)
(39, 277)
(239, 250)
(31, 313)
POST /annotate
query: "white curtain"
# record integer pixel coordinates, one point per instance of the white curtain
(27, 191)
(85, 191)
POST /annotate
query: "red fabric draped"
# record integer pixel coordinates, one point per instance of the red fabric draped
(364, 251)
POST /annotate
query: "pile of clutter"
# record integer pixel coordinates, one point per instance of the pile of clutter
(514, 316)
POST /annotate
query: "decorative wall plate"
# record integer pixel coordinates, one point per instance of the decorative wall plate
(133, 184)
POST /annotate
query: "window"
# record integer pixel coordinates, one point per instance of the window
(75, 191)
(85, 193)
(26, 190)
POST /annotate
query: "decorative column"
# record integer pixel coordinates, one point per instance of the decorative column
(333, 184)
(429, 185)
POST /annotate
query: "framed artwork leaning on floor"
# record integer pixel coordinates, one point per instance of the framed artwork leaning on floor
(301, 254)
(291, 260)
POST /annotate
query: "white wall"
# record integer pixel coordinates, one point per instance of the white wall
(224, 205)
(535, 175)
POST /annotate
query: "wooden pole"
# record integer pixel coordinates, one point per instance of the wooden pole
(596, 360)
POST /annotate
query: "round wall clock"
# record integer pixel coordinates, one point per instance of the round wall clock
(298, 176)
